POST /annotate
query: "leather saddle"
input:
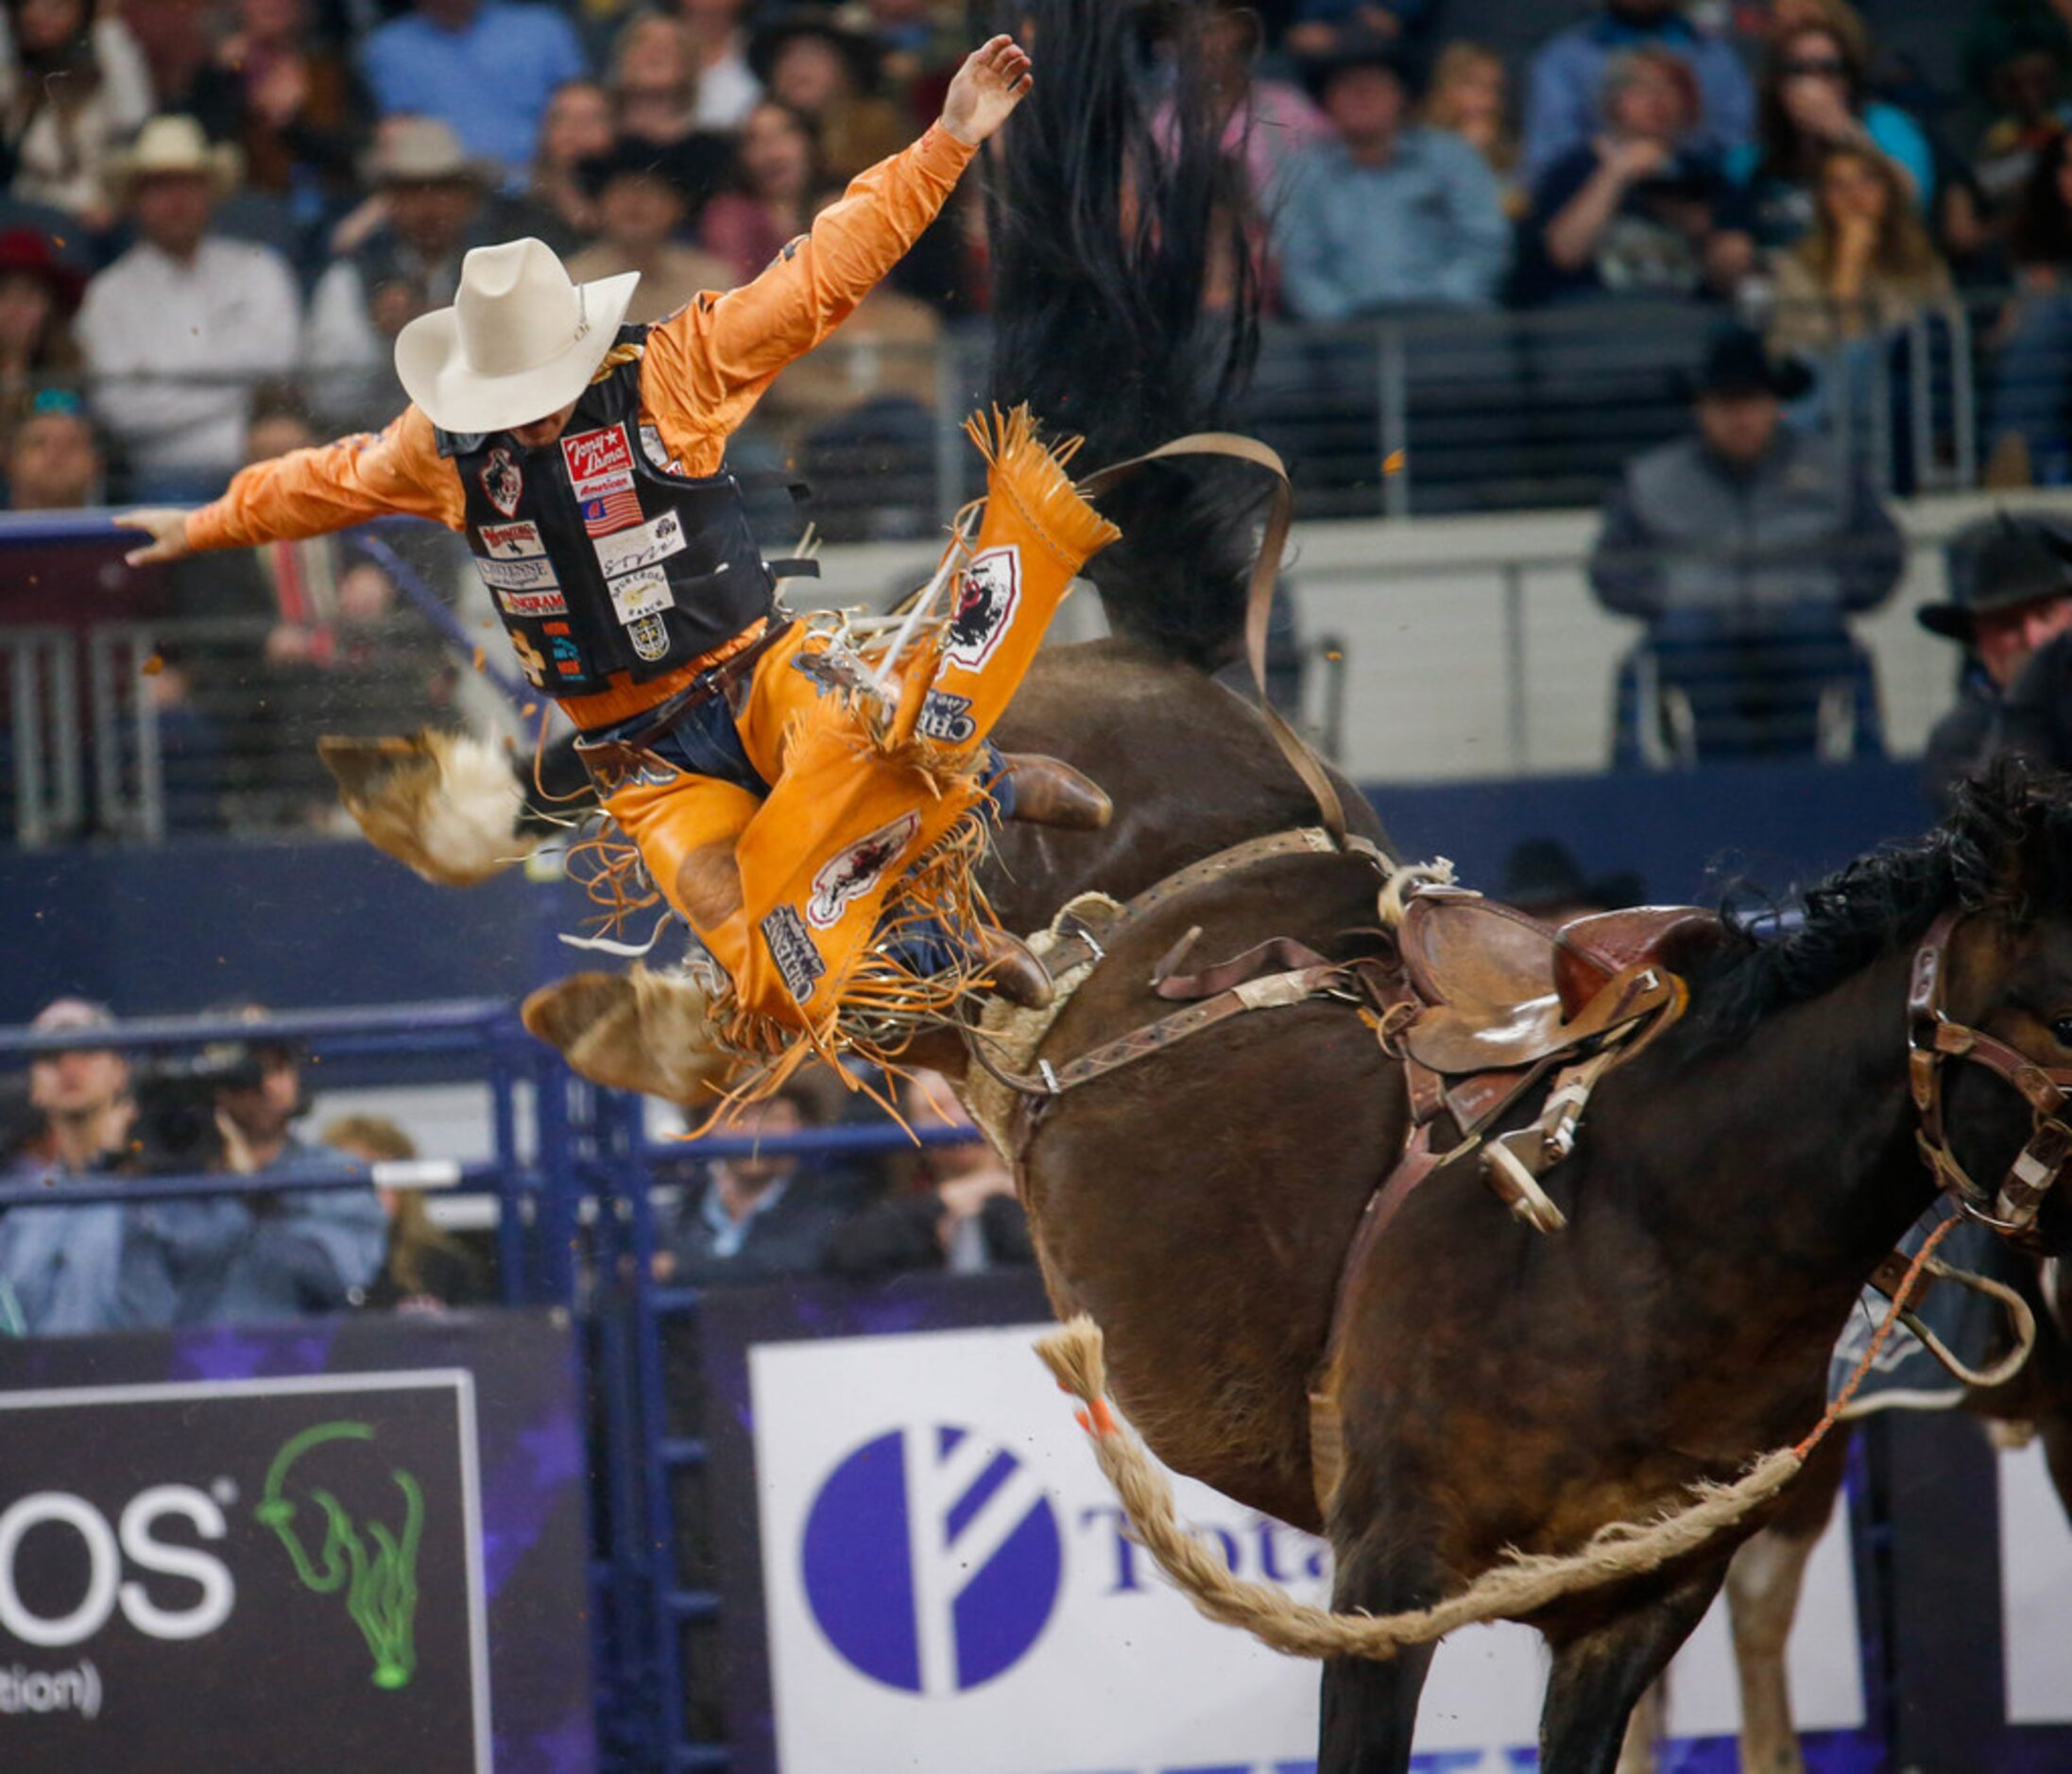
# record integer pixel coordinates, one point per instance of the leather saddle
(1502, 991)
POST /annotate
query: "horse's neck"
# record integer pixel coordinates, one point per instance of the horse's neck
(1802, 1139)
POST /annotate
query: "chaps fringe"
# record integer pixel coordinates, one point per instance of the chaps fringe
(1518, 1587)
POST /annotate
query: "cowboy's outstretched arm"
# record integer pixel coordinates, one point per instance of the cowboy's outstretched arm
(713, 359)
(308, 492)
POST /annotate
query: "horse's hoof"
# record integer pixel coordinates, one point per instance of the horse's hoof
(445, 804)
(637, 1031)
(1049, 791)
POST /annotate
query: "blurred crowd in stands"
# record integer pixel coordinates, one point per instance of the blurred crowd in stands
(341, 1222)
(218, 214)
(202, 195)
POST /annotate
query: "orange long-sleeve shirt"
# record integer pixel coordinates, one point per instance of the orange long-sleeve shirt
(703, 372)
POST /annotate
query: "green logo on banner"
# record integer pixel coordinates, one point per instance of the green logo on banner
(381, 1583)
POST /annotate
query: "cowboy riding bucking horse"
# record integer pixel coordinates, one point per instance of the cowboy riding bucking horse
(813, 821)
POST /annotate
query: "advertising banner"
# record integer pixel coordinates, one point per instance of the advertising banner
(943, 1584)
(349, 1546)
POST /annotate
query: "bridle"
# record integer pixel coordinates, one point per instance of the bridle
(1931, 1039)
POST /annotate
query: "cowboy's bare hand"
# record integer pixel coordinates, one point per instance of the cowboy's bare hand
(994, 79)
(167, 528)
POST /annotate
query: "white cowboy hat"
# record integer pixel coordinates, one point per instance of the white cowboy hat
(423, 151)
(520, 341)
(174, 145)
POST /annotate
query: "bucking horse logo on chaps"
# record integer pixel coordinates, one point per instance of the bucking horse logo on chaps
(849, 874)
(986, 596)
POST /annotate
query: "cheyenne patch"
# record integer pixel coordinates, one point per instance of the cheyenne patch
(799, 962)
(513, 541)
(849, 874)
(503, 481)
(533, 603)
(945, 718)
(517, 575)
(634, 549)
(987, 595)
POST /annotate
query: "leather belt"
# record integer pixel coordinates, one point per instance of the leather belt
(657, 722)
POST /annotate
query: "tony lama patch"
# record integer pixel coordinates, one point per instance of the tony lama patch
(593, 455)
(799, 962)
(513, 541)
(639, 594)
(632, 549)
(988, 596)
(849, 874)
(946, 719)
(517, 575)
(533, 603)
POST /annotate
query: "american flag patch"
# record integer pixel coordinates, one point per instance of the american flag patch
(611, 511)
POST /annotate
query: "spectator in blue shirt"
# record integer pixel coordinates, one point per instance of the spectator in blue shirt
(1562, 88)
(71, 1270)
(287, 1253)
(486, 67)
(1389, 216)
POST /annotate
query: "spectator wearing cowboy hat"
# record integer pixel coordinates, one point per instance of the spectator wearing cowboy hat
(484, 67)
(643, 207)
(1388, 214)
(2011, 591)
(434, 199)
(176, 330)
(40, 293)
(1743, 547)
(807, 60)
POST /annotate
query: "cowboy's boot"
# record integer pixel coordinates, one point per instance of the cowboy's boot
(636, 1031)
(1013, 971)
(445, 803)
(1049, 791)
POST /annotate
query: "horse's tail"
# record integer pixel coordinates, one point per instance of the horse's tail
(1516, 1589)
(1125, 300)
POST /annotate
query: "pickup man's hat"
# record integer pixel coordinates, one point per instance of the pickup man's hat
(2001, 562)
(520, 341)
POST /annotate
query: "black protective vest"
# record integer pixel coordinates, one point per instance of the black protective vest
(598, 559)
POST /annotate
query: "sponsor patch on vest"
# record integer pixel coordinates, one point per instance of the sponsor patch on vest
(987, 597)
(650, 636)
(945, 718)
(517, 575)
(849, 874)
(593, 455)
(536, 604)
(503, 481)
(655, 540)
(641, 593)
(657, 452)
(513, 541)
(799, 963)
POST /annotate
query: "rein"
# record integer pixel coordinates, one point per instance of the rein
(1933, 1039)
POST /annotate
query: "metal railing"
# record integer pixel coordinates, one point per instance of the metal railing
(1484, 410)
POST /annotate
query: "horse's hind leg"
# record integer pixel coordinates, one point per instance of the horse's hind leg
(1598, 1676)
(1370, 1706)
(1762, 1586)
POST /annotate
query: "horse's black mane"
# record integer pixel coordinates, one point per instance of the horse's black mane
(1109, 200)
(2006, 847)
